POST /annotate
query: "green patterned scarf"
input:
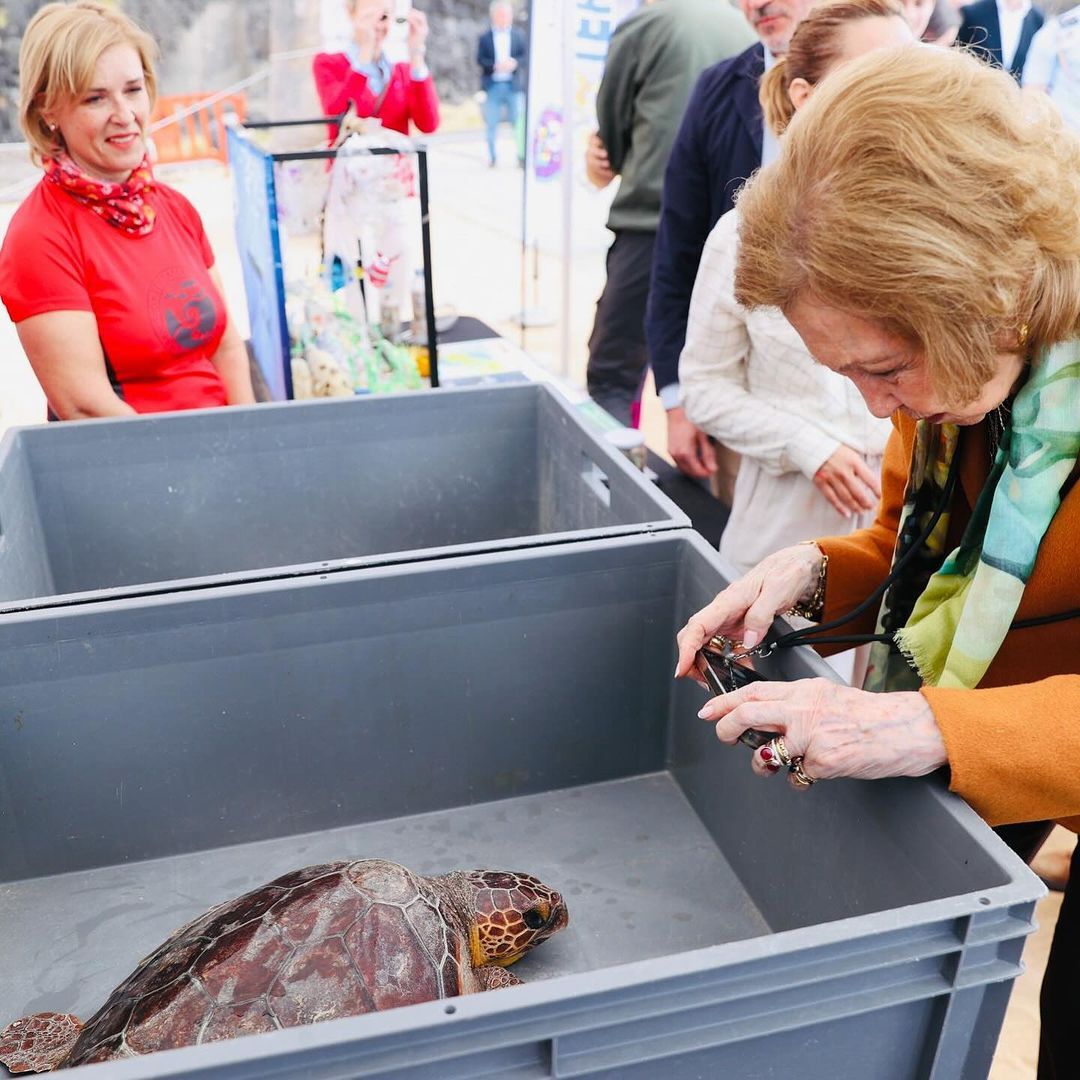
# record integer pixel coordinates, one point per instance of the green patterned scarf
(960, 614)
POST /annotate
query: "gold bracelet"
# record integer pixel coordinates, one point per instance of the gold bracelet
(813, 607)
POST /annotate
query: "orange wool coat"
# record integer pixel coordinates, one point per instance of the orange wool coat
(1014, 741)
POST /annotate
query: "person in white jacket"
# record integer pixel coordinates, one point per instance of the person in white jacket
(811, 451)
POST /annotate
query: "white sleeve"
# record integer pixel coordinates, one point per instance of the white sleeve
(670, 397)
(713, 380)
(1042, 57)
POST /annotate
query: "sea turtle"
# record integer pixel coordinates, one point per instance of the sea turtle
(333, 940)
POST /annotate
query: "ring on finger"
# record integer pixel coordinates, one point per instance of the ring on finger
(799, 775)
(776, 752)
(767, 757)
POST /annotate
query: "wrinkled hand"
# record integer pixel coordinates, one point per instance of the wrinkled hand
(418, 33)
(689, 447)
(365, 20)
(849, 484)
(744, 611)
(597, 164)
(836, 730)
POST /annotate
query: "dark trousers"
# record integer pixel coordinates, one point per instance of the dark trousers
(1060, 998)
(618, 358)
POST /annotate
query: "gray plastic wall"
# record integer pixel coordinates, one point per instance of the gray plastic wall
(110, 509)
(522, 704)
(24, 561)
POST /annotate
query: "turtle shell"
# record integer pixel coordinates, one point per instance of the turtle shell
(320, 943)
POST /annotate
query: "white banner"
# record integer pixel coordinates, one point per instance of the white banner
(568, 43)
(544, 134)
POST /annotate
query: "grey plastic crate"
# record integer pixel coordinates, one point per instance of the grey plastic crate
(511, 710)
(109, 509)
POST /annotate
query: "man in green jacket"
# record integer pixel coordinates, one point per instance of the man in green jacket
(654, 58)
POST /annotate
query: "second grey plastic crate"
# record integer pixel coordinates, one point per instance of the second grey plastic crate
(116, 508)
(515, 710)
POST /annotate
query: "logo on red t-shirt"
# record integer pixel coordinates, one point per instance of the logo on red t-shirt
(181, 311)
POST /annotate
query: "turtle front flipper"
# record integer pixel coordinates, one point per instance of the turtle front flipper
(493, 977)
(38, 1043)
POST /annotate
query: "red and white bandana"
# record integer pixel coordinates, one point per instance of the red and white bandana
(123, 205)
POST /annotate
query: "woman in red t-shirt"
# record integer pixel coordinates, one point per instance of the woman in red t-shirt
(107, 274)
(394, 93)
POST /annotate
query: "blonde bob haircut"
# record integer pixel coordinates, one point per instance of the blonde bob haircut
(816, 46)
(925, 191)
(59, 51)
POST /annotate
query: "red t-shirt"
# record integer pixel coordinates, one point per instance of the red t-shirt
(159, 317)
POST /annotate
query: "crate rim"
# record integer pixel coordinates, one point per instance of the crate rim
(674, 520)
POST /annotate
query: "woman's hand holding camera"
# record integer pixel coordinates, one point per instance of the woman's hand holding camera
(744, 611)
(418, 34)
(836, 730)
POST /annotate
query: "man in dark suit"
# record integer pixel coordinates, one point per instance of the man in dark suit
(1000, 30)
(500, 52)
(719, 144)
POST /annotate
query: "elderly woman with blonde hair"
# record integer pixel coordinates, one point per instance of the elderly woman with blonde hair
(921, 232)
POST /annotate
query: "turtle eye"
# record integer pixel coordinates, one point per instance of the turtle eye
(534, 918)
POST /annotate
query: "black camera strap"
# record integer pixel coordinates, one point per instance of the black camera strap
(822, 633)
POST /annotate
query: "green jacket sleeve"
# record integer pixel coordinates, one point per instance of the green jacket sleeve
(615, 99)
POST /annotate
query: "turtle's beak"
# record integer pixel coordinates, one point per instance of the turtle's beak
(560, 916)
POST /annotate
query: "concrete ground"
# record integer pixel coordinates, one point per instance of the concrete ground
(476, 236)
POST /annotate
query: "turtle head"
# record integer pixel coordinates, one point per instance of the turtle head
(510, 914)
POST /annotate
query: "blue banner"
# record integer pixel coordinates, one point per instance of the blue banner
(259, 246)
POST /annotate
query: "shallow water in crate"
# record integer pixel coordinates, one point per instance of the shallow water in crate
(640, 873)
